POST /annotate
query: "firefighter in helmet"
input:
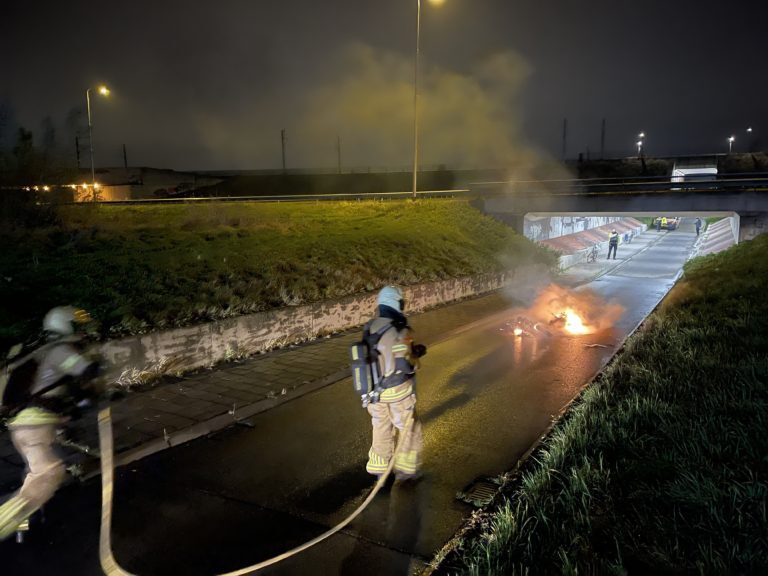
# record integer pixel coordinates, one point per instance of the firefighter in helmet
(395, 409)
(63, 378)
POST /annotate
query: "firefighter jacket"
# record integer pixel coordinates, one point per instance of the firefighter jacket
(396, 361)
(57, 385)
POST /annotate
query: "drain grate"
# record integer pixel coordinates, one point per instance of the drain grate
(479, 493)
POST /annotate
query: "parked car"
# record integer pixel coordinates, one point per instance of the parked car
(672, 222)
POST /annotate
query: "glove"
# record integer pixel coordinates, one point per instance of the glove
(419, 350)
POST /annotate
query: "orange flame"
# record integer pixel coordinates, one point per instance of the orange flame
(518, 331)
(573, 322)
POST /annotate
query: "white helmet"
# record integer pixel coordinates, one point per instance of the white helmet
(61, 320)
(391, 296)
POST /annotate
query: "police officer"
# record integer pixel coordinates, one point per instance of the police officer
(61, 380)
(395, 409)
(613, 244)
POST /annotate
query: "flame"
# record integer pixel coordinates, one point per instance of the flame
(573, 322)
(518, 331)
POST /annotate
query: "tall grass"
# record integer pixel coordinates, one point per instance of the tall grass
(661, 466)
(141, 268)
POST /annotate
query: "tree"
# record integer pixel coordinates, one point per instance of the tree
(26, 157)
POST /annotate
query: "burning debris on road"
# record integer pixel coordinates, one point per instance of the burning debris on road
(574, 312)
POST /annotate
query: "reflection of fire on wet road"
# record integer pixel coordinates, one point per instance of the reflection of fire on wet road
(575, 312)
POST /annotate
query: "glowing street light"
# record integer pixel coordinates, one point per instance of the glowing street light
(749, 130)
(639, 143)
(104, 91)
(416, 93)
(731, 140)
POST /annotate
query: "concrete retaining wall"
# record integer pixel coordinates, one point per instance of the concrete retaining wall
(539, 228)
(753, 225)
(139, 358)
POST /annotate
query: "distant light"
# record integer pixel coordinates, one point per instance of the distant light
(732, 139)
(749, 129)
(641, 135)
(84, 185)
(103, 90)
(46, 188)
(639, 142)
(96, 185)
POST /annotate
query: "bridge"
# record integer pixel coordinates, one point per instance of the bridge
(744, 197)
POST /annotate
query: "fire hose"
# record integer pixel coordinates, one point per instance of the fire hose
(110, 566)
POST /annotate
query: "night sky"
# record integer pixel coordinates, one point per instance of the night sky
(210, 85)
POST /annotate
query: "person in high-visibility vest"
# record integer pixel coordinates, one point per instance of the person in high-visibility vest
(663, 221)
(39, 405)
(613, 244)
(395, 407)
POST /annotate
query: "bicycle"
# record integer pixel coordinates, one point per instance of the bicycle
(592, 254)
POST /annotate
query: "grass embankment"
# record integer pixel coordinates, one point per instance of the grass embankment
(661, 466)
(139, 268)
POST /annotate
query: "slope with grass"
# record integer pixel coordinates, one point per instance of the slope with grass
(142, 268)
(661, 465)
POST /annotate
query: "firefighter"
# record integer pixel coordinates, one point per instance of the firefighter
(60, 382)
(613, 244)
(395, 409)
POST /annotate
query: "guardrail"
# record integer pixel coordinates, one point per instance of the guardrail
(291, 197)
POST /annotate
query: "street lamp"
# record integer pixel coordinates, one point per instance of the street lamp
(731, 139)
(639, 143)
(416, 93)
(104, 91)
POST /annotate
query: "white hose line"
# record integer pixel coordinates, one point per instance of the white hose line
(108, 562)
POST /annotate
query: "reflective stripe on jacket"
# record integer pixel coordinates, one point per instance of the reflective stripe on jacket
(395, 362)
(34, 416)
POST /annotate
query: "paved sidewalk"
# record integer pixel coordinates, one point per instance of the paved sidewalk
(180, 409)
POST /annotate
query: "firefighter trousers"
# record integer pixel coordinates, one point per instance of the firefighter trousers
(388, 419)
(45, 473)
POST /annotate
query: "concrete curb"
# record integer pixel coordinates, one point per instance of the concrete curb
(623, 262)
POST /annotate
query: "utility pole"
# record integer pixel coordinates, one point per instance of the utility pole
(125, 158)
(282, 144)
(602, 141)
(565, 137)
(338, 151)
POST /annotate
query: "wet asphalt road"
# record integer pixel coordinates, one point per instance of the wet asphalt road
(246, 494)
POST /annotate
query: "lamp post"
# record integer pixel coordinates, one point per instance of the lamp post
(104, 91)
(416, 94)
(731, 139)
(639, 143)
